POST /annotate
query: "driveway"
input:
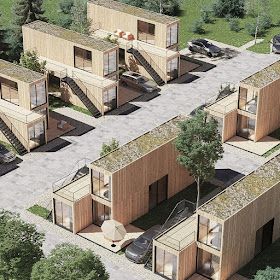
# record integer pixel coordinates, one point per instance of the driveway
(38, 171)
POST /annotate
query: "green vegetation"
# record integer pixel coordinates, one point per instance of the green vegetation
(268, 257)
(108, 148)
(274, 134)
(39, 211)
(268, 274)
(30, 60)
(8, 146)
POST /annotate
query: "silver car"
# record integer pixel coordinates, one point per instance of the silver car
(137, 81)
(6, 156)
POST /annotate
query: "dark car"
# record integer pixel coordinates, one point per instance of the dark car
(204, 47)
(139, 250)
(6, 156)
(276, 44)
(137, 81)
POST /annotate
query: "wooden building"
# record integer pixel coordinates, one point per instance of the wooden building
(23, 107)
(142, 35)
(87, 66)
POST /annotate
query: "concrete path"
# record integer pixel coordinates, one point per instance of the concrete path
(250, 44)
(38, 171)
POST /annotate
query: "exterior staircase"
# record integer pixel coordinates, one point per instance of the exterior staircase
(149, 68)
(82, 96)
(10, 135)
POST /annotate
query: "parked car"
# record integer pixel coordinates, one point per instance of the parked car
(276, 44)
(139, 250)
(204, 47)
(6, 156)
(137, 81)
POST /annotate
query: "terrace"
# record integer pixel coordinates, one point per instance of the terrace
(244, 191)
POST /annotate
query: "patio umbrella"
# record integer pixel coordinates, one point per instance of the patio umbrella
(113, 230)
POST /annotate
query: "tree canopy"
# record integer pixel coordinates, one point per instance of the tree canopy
(69, 262)
(30, 60)
(108, 148)
(268, 274)
(230, 8)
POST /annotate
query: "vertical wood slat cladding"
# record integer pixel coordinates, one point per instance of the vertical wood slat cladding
(82, 210)
(229, 126)
(239, 231)
(130, 185)
(268, 114)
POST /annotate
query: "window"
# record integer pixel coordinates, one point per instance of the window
(63, 215)
(36, 135)
(101, 213)
(210, 233)
(172, 35)
(110, 99)
(172, 68)
(110, 63)
(246, 127)
(38, 95)
(9, 91)
(248, 100)
(146, 32)
(166, 264)
(158, 192)
(83, 59)
(208, 264)
(101, 185)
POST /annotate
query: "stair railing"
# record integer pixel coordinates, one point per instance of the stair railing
(87, 92)
(13, 129)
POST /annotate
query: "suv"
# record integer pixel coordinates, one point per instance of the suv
(6, 156)
(204, 47)
(137, 81)
(276, 44)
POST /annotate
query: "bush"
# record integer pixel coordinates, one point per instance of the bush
(197, 27)
(234, 24)
(233, 8)
(268, 274)
(66, 5)
(206, 14)
(265, 21)
(110, 147)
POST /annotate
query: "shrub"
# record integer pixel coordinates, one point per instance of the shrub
(265, 21)
(108, 148)
(234, 24)
(197, 27)
(268, 274)
(234, 8)
(206, 14)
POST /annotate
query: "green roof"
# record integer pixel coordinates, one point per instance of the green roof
(17, 72)
(139, 12)
(72, 36)
(243, 192)
(140, 146)
(265, 76)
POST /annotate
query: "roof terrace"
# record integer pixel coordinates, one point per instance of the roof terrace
(243, 192)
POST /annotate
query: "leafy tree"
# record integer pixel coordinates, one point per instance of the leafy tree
(65, 17)
(206, 14)
(233, 8)
(20, 247)
(200, 147)
(4, 46)
(69, 262)
(268, 274)
(66, 5)
(197, 27)
(108, 148)
(30, 60)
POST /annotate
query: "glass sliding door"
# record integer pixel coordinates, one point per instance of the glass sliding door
(110, 63)
(110, 99)
(9, 91)
(172, 35)
(83, 59)
(172, 69)
(63, 215)
(246, 127)
(36, 135)
(158, 192)
(38, 95)
(146, 32)
(101, 213)
(208, 264)
(166, 264)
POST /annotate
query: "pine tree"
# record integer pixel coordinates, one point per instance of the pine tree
(4, 46)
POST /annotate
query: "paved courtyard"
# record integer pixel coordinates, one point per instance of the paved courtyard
(38, 171)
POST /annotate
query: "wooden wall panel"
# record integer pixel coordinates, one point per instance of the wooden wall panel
(239, 231)
(130, 185)
(229, 126)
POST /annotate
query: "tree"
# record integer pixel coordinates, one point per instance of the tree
(108, 148)
(65, 18)
(200, 147)
(69, 262)
(30, 60)
(231, 8)
(268, 274)
(4, 46)
(20, 247)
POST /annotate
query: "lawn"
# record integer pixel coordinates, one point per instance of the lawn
(40, 211)
(268, 257)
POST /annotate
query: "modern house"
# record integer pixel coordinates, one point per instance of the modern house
(254, 112)
(86, 66)
(148, 41)
(23, 107)
(123, 185)
(226, 232)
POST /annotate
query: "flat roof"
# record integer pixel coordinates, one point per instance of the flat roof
(140, 146)
(17, 72)
(243, 192)
(135, 11)
(265, 76)
(72, 36)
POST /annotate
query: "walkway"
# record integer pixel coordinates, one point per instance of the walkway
(250, 44)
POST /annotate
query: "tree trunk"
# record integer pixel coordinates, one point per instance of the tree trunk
(198, 192)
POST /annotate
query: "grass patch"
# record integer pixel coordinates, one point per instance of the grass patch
(39, 211)
(159, 214)
(268, 257)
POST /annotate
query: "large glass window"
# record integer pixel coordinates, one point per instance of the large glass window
(110, 99)
(38, 95)
(208, 264)
(166, 264)
(146, 32)
(210, 232)
(248, 100)
(101, 213)
(63, 215)
(110, 63)
(246, 127)
(83, 59)
(101, 185)
(36, 135)
(9, 91)
(172, 35)
(172, 68)
(158, 192)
